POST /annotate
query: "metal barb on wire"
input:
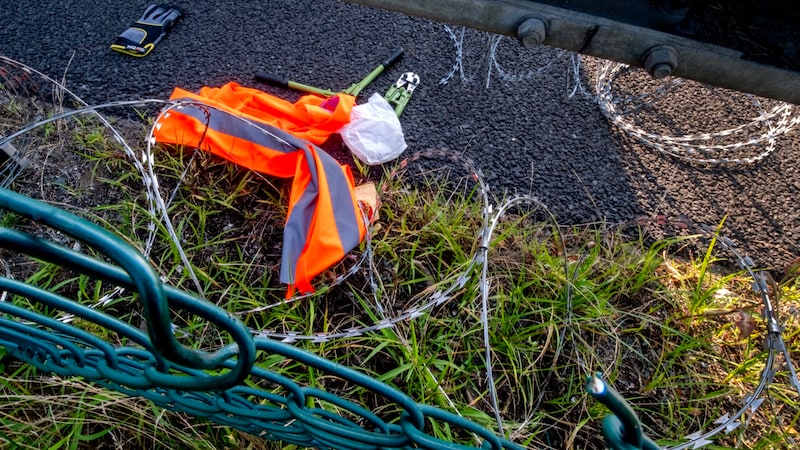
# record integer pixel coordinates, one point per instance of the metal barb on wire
(492, 61)
(774, 339)
(694, 148)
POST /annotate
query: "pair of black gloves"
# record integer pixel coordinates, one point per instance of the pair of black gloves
(143, 35)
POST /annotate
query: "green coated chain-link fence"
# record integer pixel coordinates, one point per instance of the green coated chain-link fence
(226, 386)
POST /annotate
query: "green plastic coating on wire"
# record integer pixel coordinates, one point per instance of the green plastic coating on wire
(225, 386)
(622, 429)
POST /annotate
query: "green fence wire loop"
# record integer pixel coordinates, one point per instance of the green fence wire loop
(622, 429)
(146, 283)
(225, 386)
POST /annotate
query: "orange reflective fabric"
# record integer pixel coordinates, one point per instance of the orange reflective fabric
(328, 222)
(326, 248)
(312, 118)
(308, 119)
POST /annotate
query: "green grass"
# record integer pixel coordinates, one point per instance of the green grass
(43, 412)
(666, 321)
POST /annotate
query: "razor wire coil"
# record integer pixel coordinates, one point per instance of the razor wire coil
(747, 143)
(135, 371)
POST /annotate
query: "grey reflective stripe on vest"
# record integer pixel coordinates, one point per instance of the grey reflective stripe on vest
(347, 221)
(295, 233)
(299, 222)
(239, 127)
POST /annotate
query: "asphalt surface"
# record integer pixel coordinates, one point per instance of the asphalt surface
(527, 136)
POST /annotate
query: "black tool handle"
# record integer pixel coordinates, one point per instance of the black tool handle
(396, 54)
(272, 79)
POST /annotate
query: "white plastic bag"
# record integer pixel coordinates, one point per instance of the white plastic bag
(374, 134)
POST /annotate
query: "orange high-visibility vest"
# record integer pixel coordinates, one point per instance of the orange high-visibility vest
(273, 136)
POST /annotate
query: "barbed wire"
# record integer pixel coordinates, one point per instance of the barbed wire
(479, 262)
(155, 208)
(490, 57)
(760, 132)
(694, 148)
(773, 342)
(458, 64)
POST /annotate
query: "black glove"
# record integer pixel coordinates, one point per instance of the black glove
(140, 38)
